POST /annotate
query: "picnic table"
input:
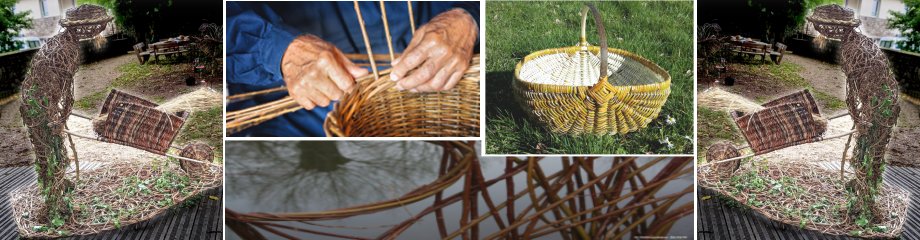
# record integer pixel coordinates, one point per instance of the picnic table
(753, 48)
(750, 47)
(171, 46)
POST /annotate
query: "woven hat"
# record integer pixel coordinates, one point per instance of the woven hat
(86, 14)
(833, 20)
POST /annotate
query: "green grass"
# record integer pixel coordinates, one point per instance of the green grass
(132, 74)
(92, 100)
(204, 126)
(713, 126)
(659, 31)
(788, 73)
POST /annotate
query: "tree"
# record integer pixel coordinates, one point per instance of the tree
(151, 20)
(10, 24)
(909, 25)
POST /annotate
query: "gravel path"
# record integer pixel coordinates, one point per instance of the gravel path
(825, 77)
(97, 76)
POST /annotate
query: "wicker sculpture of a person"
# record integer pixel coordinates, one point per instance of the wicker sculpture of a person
(872, 100)
(47, 99)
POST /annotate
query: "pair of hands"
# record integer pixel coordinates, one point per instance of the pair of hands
(316, 72)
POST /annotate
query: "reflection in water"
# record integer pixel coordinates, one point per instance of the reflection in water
(313, 175)
(657, 188)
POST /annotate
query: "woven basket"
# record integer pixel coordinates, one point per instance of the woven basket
(573, 90)
(787, 121)
(377, 109)
(132, 121)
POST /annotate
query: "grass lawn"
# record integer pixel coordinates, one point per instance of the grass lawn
(132, 75)
(713, 126)
(205, 126)
(659, 31)
(788, 74)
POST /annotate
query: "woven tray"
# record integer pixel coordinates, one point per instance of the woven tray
(590, 89)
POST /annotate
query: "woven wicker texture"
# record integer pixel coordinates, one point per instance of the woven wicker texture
(872, 102)
(377, 109)
(47, 100)
(833, 21)
(116, 96)
(86, 21)
(723, 150)
(780, 126)
(589, 89)
(137, 125)
(198, 151)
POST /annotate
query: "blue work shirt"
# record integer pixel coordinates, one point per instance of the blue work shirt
(258, 33)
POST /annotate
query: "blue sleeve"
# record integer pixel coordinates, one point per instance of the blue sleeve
(256, 40)
(472, 8)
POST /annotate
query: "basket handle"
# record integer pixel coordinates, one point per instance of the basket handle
(603, 39)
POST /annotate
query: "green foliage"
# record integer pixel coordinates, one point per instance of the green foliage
(909, 25)
(10, 24)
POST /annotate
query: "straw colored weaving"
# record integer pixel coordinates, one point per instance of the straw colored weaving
(591, 89)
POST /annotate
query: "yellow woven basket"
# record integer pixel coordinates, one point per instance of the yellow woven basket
(590, 89)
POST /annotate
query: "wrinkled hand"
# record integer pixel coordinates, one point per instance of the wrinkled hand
(438, 54)
(316, 72)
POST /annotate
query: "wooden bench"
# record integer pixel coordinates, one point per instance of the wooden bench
(141, 54)
(753, 50)
(166, 48)
(777, 55)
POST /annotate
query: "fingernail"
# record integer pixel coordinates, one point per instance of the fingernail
(413, 90)
(393, 77)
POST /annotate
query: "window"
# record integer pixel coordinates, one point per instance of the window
(44, 6)
(886, 43)
(876, 7)
(34, 43)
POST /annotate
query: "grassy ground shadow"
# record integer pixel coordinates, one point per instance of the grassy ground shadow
(659, 31)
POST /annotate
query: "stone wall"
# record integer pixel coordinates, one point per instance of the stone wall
(13, 70)
(906, 68)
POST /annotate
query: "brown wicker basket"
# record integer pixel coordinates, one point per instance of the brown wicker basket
(377, 109)
(787, 121)
(132, 121)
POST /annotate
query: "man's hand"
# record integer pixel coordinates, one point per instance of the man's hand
(316, 72)
(439, 53)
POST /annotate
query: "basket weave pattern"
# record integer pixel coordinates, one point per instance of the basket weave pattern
(787, 121)
(566, 93)
(132, 121)
(377, 109)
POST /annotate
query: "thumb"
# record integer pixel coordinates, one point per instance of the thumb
(355, 71)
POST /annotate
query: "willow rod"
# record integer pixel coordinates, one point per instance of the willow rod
(751, 155)
(166, 154)
(386, 29)
(367, 41)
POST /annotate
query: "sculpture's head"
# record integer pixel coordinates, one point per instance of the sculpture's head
(86, 21)
(833, 20)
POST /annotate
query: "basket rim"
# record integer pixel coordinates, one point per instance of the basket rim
(647, 63)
